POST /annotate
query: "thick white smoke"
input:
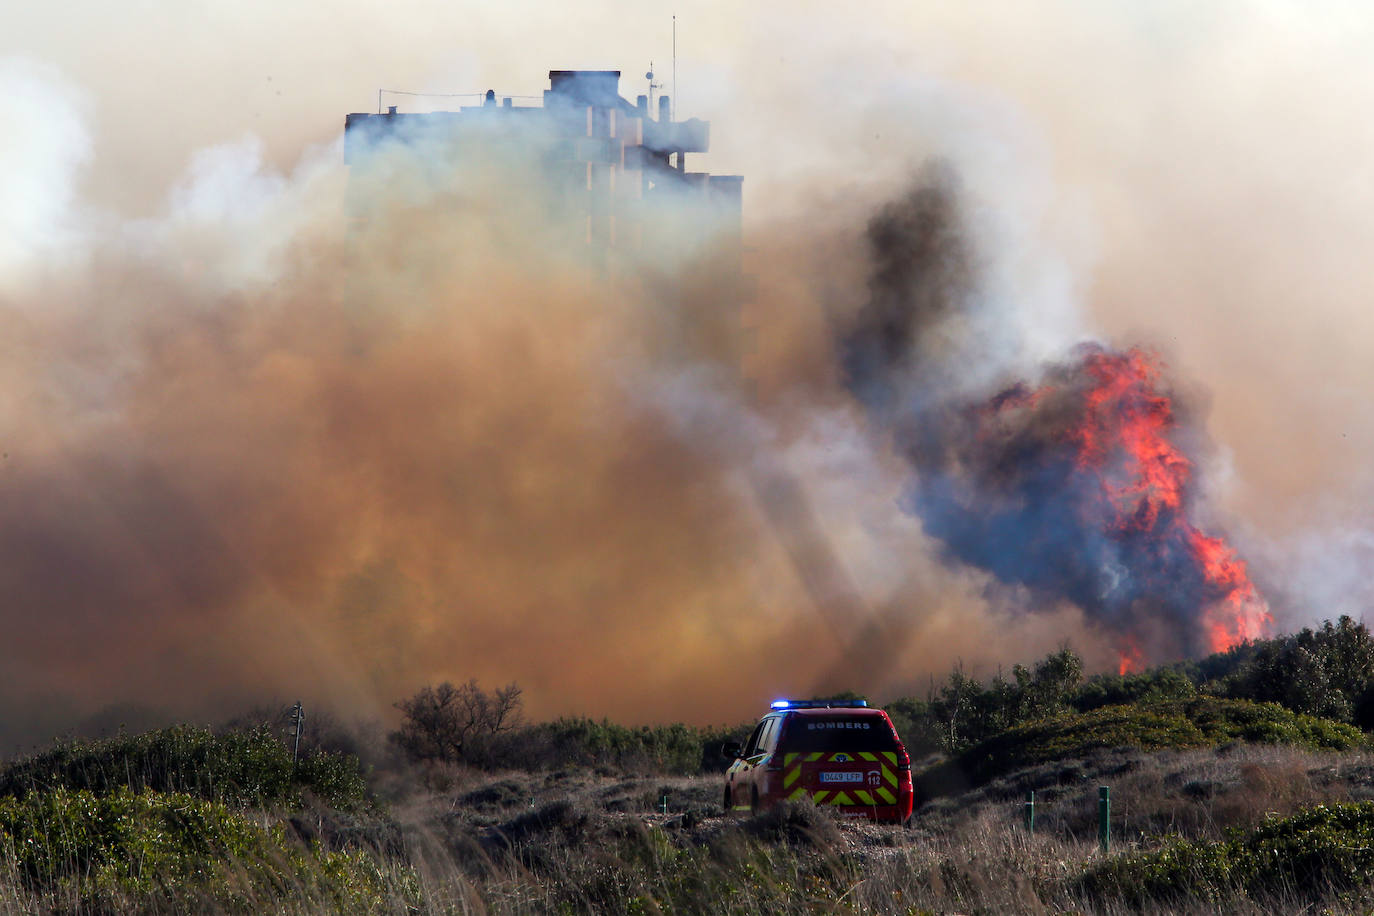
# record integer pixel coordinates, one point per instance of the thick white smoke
(46, 144)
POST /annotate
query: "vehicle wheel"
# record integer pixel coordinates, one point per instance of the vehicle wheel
(726, 804)
(754, 805)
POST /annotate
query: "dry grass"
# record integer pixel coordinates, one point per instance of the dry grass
(1197, 794)
(576, 842)
(517, 843)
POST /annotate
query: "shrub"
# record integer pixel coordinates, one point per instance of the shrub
(580, 742)
(123, 849)
(237, 768)
(323, 731)
(1199, 722)
(467, 726)
(459, 724)
(962, 711)
(1323, 849)
(1150, 686)
(916, 726)
(563, 818)
(801, 822)
(1325, 672)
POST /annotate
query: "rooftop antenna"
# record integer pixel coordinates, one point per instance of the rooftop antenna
(652, 85)
(673, 112)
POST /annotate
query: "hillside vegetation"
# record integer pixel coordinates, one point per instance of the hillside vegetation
(1146, 725)
(1241, 783)
(1327, 672)
(1327, 847)
(248, 768)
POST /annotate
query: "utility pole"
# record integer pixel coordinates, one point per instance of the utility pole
(298, 717)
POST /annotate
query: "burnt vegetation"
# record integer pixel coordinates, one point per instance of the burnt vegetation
(1241, 783)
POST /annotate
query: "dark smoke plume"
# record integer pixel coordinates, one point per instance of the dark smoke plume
(1075, 489)
(921, 277)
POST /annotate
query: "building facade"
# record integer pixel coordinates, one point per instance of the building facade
(618, 173)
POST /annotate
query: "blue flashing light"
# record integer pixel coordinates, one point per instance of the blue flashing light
(818, 704)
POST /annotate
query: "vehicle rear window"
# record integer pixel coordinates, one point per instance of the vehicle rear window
(838, 733)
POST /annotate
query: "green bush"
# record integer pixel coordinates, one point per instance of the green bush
(580, 742)
(1326, 672)
(916, 726)
(964, 711)
(122, 850)
(1323, 849)
(238, 768)
(1198, 722)
(1149, 687)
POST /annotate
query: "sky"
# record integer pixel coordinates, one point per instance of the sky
(529, 493)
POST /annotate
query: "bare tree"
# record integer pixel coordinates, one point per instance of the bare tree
(456, 724)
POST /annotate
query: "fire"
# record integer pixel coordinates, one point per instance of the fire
(1132, 658)
(1098, 441)
(1126, 418)
(1241, 614)
(1075, 488)
(1124, 441)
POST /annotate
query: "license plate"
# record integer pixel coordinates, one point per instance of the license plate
(842, 777)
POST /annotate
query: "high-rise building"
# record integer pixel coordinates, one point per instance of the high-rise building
(618, 174)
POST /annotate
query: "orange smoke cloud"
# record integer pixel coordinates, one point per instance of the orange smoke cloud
(257, 448)
(248, 453)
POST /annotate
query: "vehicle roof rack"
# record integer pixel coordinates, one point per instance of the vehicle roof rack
(819, 704)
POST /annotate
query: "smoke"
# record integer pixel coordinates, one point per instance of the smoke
(35, 218)
(339, 435)
(254, 448)
(1078, 487)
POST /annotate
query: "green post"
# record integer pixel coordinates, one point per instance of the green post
(1104, 816)
(663, 803)
(1030, 811)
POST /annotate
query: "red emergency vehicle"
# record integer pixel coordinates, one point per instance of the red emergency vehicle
(838, 752)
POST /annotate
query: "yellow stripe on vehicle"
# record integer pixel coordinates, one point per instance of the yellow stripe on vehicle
(799, 793)
(863, 796)
(886, 796)
(814, 756)
(841, 799)
(889, 777)
(790, 777)
(788, 758)
(868, 755)
(820, 796)
(891, 757)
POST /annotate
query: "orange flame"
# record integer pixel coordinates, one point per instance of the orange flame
(1124, 440)
(1242, 614)
(1124, 413)
(1132, 658)
(1087, 470)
